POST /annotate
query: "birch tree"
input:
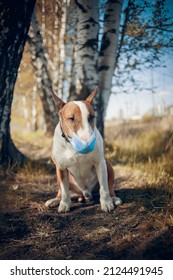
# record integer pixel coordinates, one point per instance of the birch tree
(107, 57)
(86, 56)
(14, 24)
(41, 67)
(55, 35)
(62, 47)
(92, 66)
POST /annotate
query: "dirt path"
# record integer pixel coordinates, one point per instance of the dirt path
(141, 228)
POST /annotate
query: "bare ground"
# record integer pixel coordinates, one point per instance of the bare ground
(141, 228)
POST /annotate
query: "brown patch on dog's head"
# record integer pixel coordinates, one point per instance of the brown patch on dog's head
(75, 117)
(70, 118)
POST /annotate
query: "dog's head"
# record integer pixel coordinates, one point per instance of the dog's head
(77, 116)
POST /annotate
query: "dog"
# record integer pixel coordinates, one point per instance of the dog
(78, 153)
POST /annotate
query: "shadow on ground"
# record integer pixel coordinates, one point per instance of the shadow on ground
(138, 229)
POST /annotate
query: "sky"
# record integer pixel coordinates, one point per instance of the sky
(139, 103)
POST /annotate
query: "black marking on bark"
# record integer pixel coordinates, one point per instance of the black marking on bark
(110, 10)
(107, 16)
(92, 21)
(113, 30)
(81, 7)
(114, 1)
(105, 44)
(87, 26)
(91, 43)
(96, 67)
(103, 68)
(88, 56)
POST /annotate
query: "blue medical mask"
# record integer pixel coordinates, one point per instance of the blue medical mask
(80, 146)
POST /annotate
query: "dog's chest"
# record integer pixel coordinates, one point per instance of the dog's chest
(84, 173)
(80, 166)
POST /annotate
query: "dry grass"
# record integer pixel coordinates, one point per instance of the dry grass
(148, 149)
(141, 228)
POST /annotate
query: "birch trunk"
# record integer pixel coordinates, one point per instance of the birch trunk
(55, 69)
(14, 24)
(62, 48)
(34, 115)
(107, 57)
(41, 67)
(86, 50)
(43, 21)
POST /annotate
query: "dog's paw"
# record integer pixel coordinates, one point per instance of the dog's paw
(52, 202)
(64, 207)
(88, 195)
(81, 199)
(107, 205)
(116, 200)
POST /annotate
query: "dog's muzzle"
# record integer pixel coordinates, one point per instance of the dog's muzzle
(80, 146)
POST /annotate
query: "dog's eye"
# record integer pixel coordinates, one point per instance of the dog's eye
(72, 119)
(91, 118)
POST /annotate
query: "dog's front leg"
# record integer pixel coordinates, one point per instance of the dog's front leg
(63, 197)
(105, 199)
(64, 205)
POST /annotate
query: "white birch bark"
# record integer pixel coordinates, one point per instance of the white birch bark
(70, 48)
(43, 21)
(55, 73)
(62, 48)
(41, 67)
(107, 56)
(87, 47)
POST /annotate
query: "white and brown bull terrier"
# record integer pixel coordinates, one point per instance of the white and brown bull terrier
(78, 154)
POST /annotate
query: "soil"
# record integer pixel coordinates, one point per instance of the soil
(141, 228)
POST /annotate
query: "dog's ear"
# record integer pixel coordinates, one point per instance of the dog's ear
(92, 95)
(58, 102)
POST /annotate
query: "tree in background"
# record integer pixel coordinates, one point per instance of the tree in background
(94, 62)
(81, 47)
(43, 79)
(73, 54)
(146, 36)
(91, 50)
(14, 24)
(85, 64)
(107, 57)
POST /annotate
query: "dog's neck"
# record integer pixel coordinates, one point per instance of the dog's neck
(63, 134)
